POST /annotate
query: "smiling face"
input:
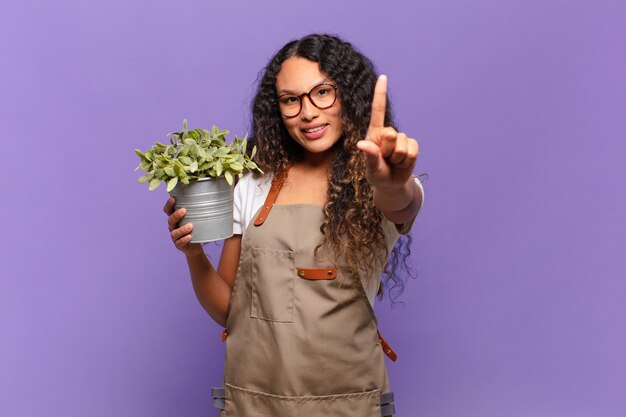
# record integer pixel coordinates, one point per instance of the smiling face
(316, 130)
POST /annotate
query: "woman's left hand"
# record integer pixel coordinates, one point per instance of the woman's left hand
(391, 155)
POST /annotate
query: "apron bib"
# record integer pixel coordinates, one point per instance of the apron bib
(299, 343)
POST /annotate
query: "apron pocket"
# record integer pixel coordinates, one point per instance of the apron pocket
(362, 404)
(273, 275)
(241, 402)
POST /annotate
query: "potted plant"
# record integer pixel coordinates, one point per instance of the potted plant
(198, 168)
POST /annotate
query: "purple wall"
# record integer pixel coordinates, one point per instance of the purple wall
(520, 109)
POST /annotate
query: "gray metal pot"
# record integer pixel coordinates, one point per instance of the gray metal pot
(209, 205)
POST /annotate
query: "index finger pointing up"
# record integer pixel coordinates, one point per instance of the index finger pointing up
(379, 103)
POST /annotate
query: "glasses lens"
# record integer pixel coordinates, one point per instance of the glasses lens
(289, 105)
(323, 96)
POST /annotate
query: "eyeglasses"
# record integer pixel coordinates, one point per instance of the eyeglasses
(321, 96)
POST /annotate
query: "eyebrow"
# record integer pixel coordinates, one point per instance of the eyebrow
(286, 91)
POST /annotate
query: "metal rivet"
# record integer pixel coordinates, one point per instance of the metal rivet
(330, 273)
(301, 274)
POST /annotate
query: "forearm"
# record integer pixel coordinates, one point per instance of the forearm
(399, 204)
(212, 291)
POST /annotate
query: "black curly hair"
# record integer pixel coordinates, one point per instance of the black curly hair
(352, 225)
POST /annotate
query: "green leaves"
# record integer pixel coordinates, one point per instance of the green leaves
(192, 154)
(229, 177)
(154, 183)
(145, 178)
(171, 184)
(236, 166)
(140, 154)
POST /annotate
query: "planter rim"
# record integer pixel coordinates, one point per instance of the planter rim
(208, 178)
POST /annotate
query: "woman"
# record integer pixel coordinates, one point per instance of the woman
(295, 284)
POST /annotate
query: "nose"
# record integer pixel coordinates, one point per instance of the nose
(309, 111)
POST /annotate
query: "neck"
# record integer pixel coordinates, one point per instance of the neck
(316, 161)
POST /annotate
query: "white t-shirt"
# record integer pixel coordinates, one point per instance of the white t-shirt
(250, 194)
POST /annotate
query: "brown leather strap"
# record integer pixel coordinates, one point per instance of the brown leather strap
(224, 335)
(277, 184)
(387, 349)
(317, 273)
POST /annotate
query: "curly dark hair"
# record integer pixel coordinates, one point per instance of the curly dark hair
(352, 225)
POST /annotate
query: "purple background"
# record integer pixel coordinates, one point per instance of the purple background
(519, 107)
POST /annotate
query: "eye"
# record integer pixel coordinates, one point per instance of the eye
(323, 91)
(288, 100)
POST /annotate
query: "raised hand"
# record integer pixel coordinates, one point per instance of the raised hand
(390, 155)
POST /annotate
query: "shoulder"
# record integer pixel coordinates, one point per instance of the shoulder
(249, 196)
(249, 184)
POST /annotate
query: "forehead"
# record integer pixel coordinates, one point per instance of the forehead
(298, 74)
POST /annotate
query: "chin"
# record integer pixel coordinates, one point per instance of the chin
(319, 146)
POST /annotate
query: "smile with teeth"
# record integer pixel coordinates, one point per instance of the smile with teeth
(315, 129)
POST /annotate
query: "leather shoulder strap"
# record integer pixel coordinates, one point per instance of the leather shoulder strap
(387, 349)
(277, 184)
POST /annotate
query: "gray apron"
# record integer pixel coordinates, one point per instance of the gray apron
(298, 341)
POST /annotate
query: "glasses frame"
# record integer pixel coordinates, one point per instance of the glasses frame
(301, 97)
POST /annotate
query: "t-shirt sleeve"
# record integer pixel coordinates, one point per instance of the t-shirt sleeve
(237, 209)
(405, 228)
(249, 196)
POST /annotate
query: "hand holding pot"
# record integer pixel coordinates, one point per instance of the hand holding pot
(181, 236)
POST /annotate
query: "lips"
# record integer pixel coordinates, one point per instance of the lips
(314, 131)
(313, 128)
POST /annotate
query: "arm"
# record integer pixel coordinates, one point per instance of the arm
(212, 288)
(400, 205)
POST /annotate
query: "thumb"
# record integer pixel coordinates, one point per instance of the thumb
(372, 154)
